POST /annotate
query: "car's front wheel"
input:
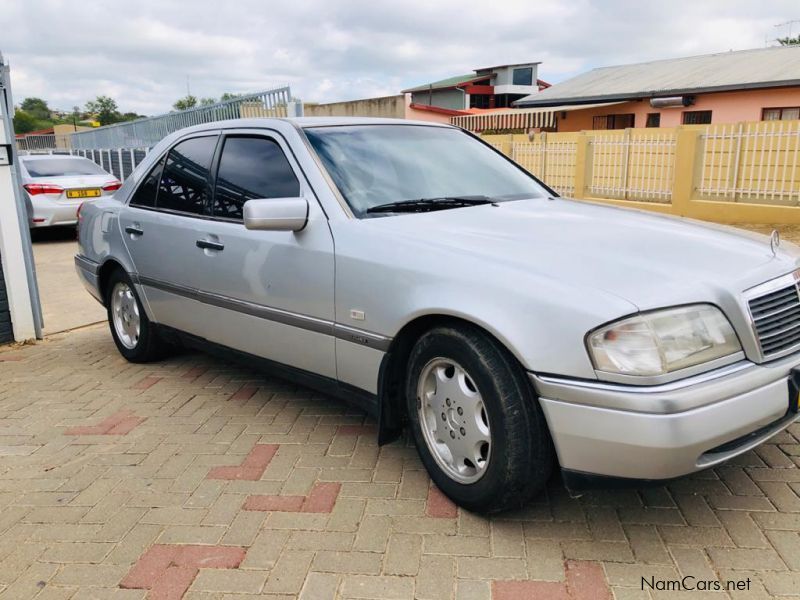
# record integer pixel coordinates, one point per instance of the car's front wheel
(135, 336)
(477, 425)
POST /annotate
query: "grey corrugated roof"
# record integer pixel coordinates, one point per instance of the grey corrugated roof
(742, 69)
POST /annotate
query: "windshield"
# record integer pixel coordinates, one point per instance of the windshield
(62, 167)
(373, 165)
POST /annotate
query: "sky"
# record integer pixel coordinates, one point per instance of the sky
(143, 53)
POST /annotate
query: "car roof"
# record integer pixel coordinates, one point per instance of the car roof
(339, 121)
(300, 122)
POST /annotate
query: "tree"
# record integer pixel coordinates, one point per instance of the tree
(24, 122)
(790, 41)
(104, 109)
(207, 101)
(36, 107)
(228, 96)
(185, 103)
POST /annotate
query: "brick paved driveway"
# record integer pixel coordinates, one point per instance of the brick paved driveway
(198, 479)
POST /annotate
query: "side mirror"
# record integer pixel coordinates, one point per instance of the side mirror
(276, 214)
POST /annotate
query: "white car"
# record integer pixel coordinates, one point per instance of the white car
(56, 186)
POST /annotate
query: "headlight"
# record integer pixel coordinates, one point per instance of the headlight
(663, 341)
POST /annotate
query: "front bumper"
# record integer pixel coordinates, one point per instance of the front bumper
(665, 431)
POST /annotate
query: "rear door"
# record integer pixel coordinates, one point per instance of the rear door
(273, 289)
(160, 226)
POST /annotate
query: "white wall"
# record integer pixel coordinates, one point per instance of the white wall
(12, 251)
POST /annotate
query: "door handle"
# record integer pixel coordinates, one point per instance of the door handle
(133, 230)
(206, 245)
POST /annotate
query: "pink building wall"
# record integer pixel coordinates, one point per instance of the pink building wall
(725, 107)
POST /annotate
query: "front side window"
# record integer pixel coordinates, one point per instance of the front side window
(250, 168)
(184, 182)
(378, 164)
(523, 76)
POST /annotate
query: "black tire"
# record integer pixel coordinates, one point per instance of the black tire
(521, 457)
(148, 347)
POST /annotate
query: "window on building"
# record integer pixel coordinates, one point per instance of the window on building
(184, 184)
(697, 117)
(613, 121)
(480, 101)
(781, 114)
(523, 76)
(249, 168)
(653, 120)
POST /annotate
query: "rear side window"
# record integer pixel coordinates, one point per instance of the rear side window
(145, 195)
(249, 168)
(184, 181)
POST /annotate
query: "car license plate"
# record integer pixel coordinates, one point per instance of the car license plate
(88, 193)
(794, 390)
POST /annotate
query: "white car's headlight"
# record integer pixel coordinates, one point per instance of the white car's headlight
(663, 341)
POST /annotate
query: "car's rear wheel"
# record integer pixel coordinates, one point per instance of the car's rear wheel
(477, 425)
(135, 336)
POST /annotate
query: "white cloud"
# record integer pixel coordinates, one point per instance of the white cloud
(142, 52)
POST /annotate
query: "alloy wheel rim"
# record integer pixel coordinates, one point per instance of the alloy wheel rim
(453, 419)
(125, 315)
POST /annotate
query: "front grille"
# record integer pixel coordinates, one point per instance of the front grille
(776, 317)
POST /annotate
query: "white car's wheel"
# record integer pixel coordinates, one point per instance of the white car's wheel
(476, 422)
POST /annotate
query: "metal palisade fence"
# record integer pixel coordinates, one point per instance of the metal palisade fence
(145, 133)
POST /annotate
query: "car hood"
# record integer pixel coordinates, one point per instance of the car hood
(647, 259)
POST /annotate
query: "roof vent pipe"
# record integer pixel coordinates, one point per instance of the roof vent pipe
(671, 101)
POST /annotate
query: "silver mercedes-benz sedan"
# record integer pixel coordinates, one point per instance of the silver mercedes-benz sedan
(56, 186)
(416, 272)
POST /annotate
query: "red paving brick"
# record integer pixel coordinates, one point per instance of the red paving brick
(529, 590)
(120, 423)
(194, 372)
(168, 570)
(173, 583)
(252, 467)
(584, 580)
(438, 505)
(244, 393)
(146, 383)
(321, 499)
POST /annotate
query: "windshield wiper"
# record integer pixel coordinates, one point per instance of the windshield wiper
(430, 204)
